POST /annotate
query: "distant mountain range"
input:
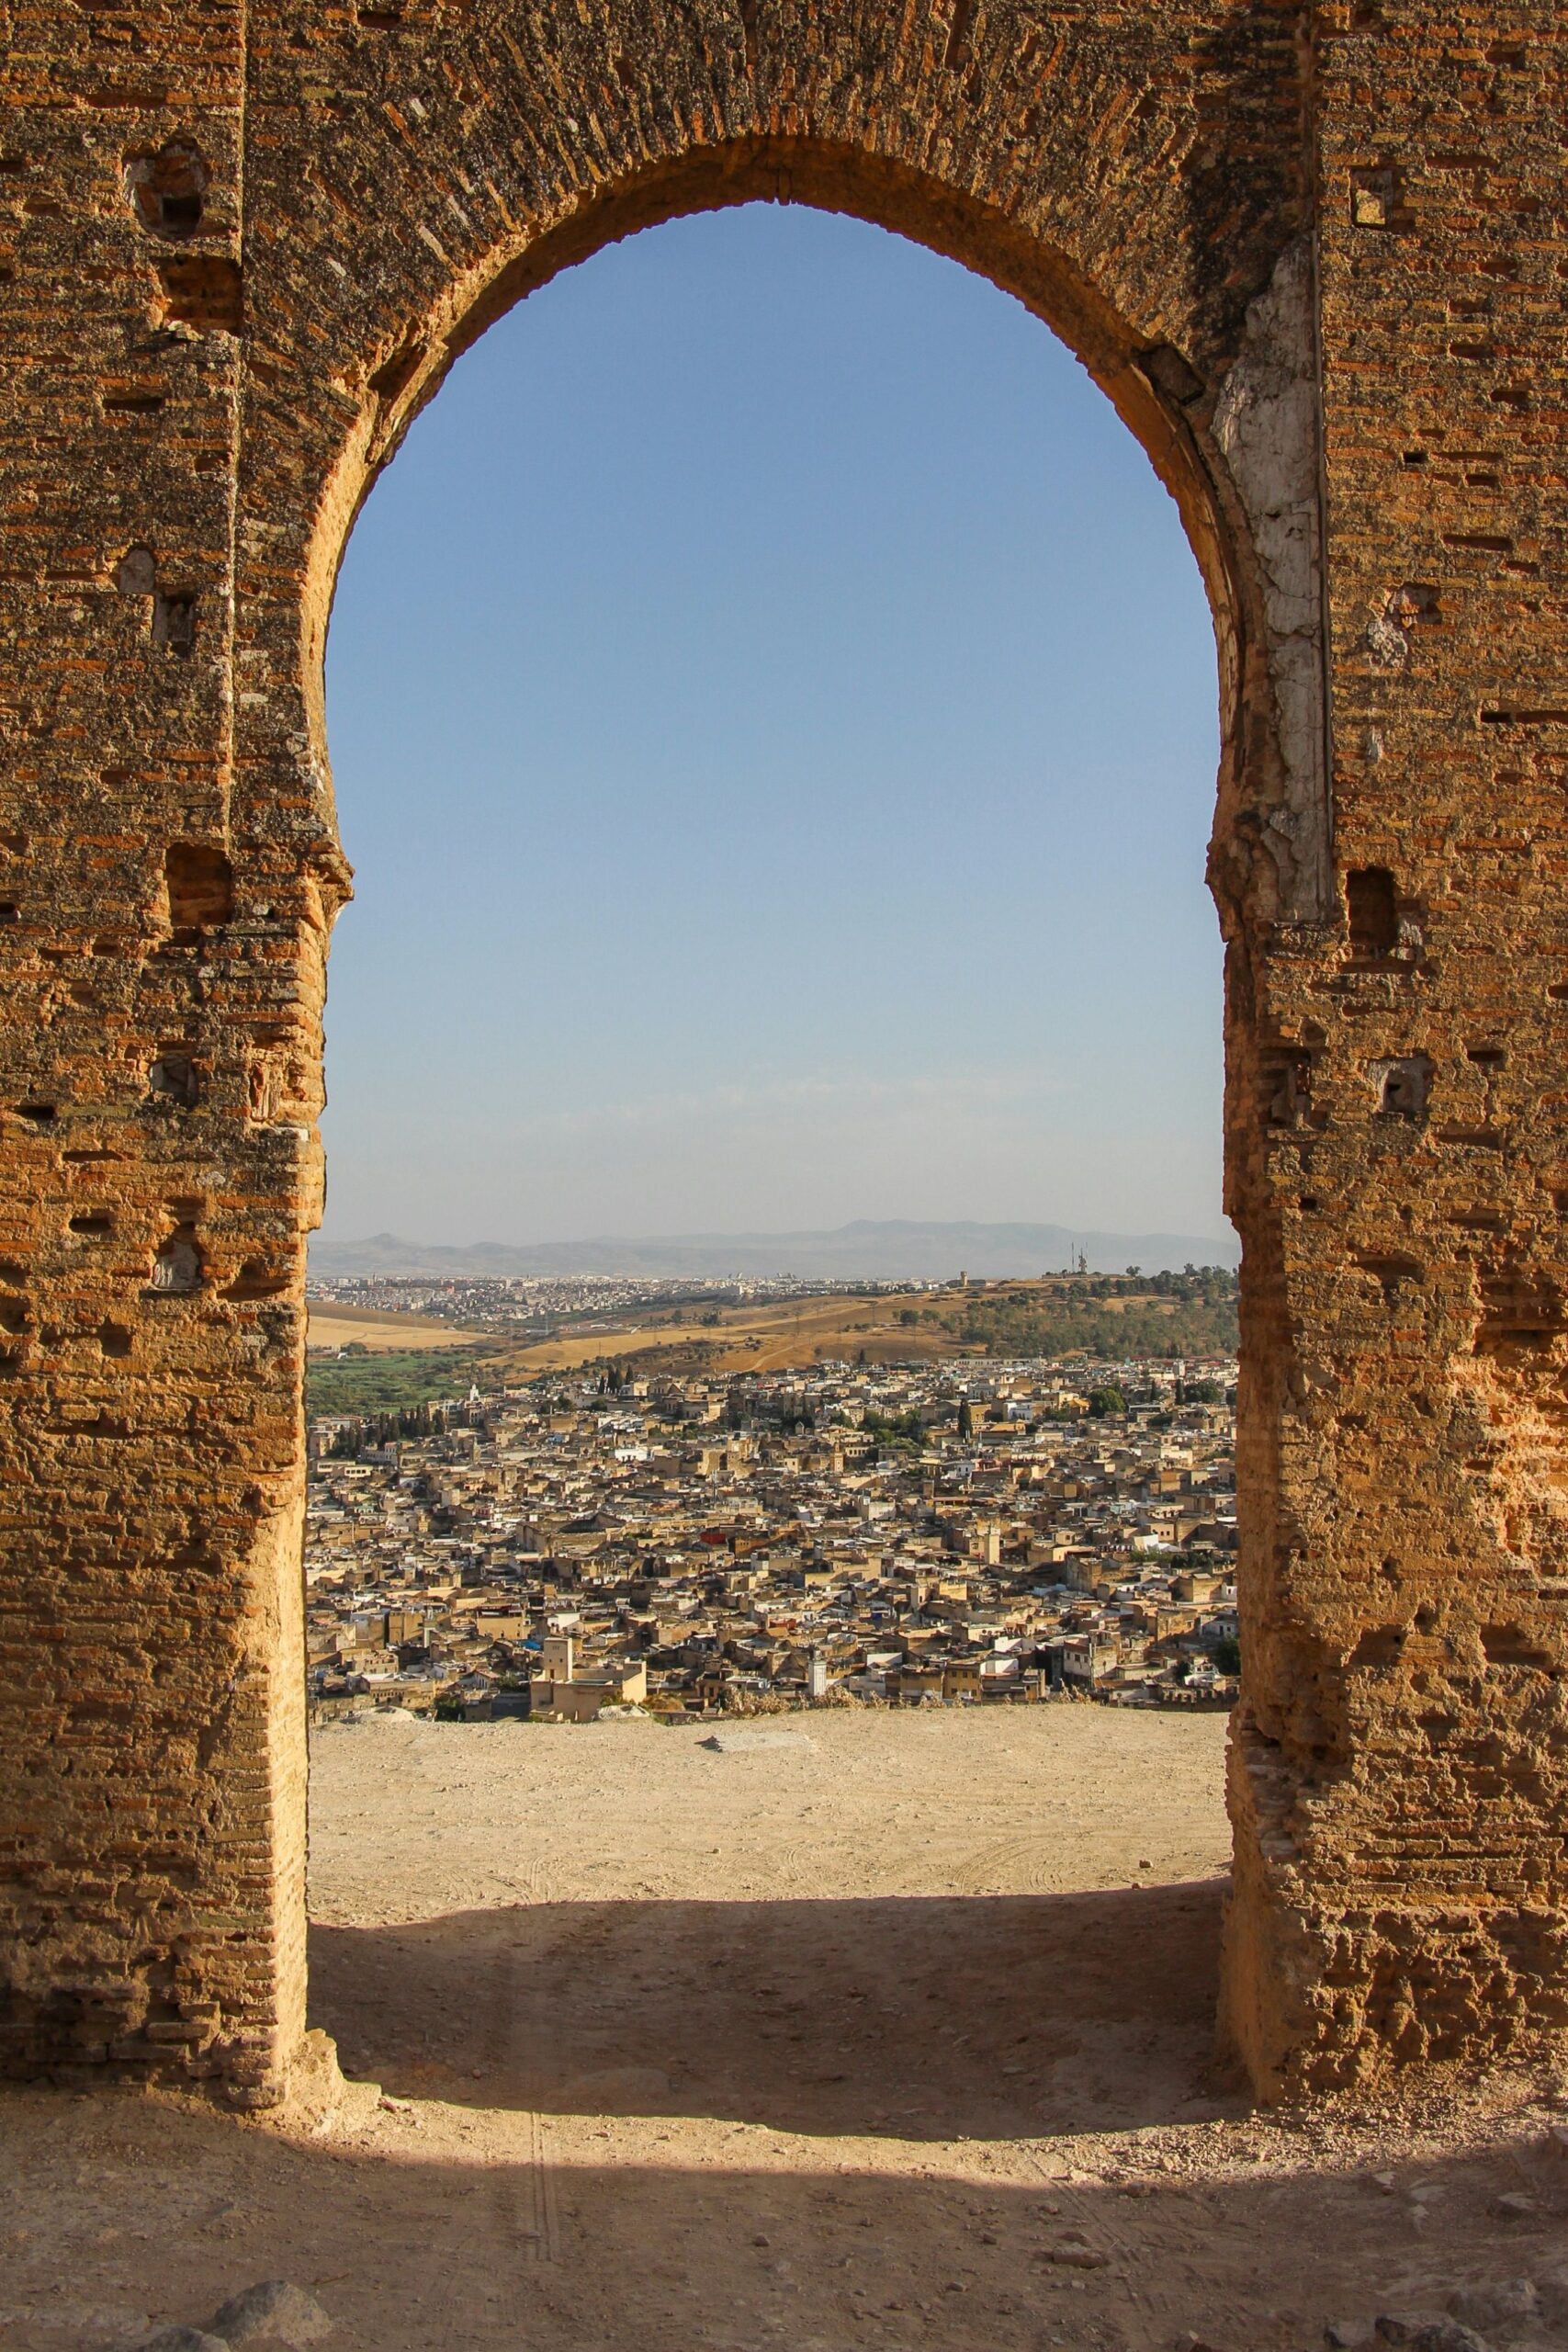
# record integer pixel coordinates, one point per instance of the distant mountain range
(895, 1250)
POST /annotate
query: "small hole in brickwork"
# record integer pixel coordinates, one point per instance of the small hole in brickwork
(138, 572)
(1310, 1203)
(257, 1279)
(1541, 716)
(1392, 1271)
(40, 1113)
(1415, 458)
(200, 883)
(1416, 600)
(167, 188)
(115, 1338)
(174, 625)
(1374, 197)
(1511, 1646)
(174, 1076)
(1426, 1618)
(9, 911)
(395, 374)
(1380, 1645)
(176, 1269)
(1373, 911)
(1486, 1057)
(1286, 1089)
(379, 20)
(92, 1227)
(1402, 1086)
(13, 1315)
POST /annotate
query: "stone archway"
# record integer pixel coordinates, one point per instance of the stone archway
(241, 265)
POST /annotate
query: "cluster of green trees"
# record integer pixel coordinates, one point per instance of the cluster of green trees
(384, 1428)
(1194, 1282)
(1092, 1330)
(895, 1429)
(394, 1380)
(1198, 1319)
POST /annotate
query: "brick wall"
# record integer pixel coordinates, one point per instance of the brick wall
(1315, 258)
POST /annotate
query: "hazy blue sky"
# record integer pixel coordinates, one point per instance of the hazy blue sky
(772, 709)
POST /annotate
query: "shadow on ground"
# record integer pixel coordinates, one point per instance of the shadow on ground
(974, 2016)
(430, 2227)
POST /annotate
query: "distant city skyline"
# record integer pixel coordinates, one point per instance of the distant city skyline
(772, 709)
(897, 1250)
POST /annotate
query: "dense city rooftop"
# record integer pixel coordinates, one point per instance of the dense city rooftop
(951, 1532)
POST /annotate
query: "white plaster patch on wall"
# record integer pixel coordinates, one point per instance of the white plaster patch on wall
(1267, 424)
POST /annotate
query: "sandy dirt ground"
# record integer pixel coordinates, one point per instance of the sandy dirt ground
(898, 2034)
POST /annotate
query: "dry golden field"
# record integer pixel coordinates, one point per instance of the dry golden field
(336, 1327)
(768, 1336)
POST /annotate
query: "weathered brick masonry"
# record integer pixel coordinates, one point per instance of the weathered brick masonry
(1316, 257)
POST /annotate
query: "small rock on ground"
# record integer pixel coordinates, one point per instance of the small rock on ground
(1503, 2302)
(1430, 2334)
(274, 2310)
